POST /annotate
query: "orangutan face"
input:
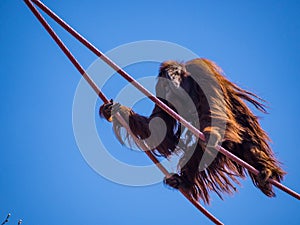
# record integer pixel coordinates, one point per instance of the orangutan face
(173, 81)
(179, 77)
(175, 74)
(174, 84)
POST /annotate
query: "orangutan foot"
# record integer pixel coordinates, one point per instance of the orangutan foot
(174, 181)
(263, 184)
(264, 175)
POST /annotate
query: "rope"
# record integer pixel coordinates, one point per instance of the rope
(105, 100)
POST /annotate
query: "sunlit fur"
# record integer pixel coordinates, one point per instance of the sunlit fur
(242, 134)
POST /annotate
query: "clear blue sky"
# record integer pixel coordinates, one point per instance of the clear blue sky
(43, 177)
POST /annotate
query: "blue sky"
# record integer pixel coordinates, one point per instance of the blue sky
(44, 178)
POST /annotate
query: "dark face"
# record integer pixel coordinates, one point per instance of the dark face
(175, 74)
(174, 84)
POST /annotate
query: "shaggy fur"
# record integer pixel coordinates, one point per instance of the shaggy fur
(222, 115)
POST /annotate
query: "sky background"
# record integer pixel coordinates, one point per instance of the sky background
(43, 177)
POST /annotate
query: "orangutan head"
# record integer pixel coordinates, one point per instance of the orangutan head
(173, 83)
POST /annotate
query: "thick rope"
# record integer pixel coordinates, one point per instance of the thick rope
(105, 100)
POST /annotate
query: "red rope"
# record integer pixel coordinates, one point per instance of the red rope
(65, 50)
(156, 100)
(105, 100)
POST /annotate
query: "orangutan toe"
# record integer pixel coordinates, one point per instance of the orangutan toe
(174, 181)
(264, 175)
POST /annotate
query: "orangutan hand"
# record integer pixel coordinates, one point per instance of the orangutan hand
(105, 110)
(108, 110)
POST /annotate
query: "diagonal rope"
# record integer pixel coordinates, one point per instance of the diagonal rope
(119, 70)
(118, 116)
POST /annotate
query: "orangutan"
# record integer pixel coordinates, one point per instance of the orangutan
(199, 92)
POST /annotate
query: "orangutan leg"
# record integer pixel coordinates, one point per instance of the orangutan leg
(189, 164)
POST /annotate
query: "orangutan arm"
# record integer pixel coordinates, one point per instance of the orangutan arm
(160, 131)
(138, 124)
